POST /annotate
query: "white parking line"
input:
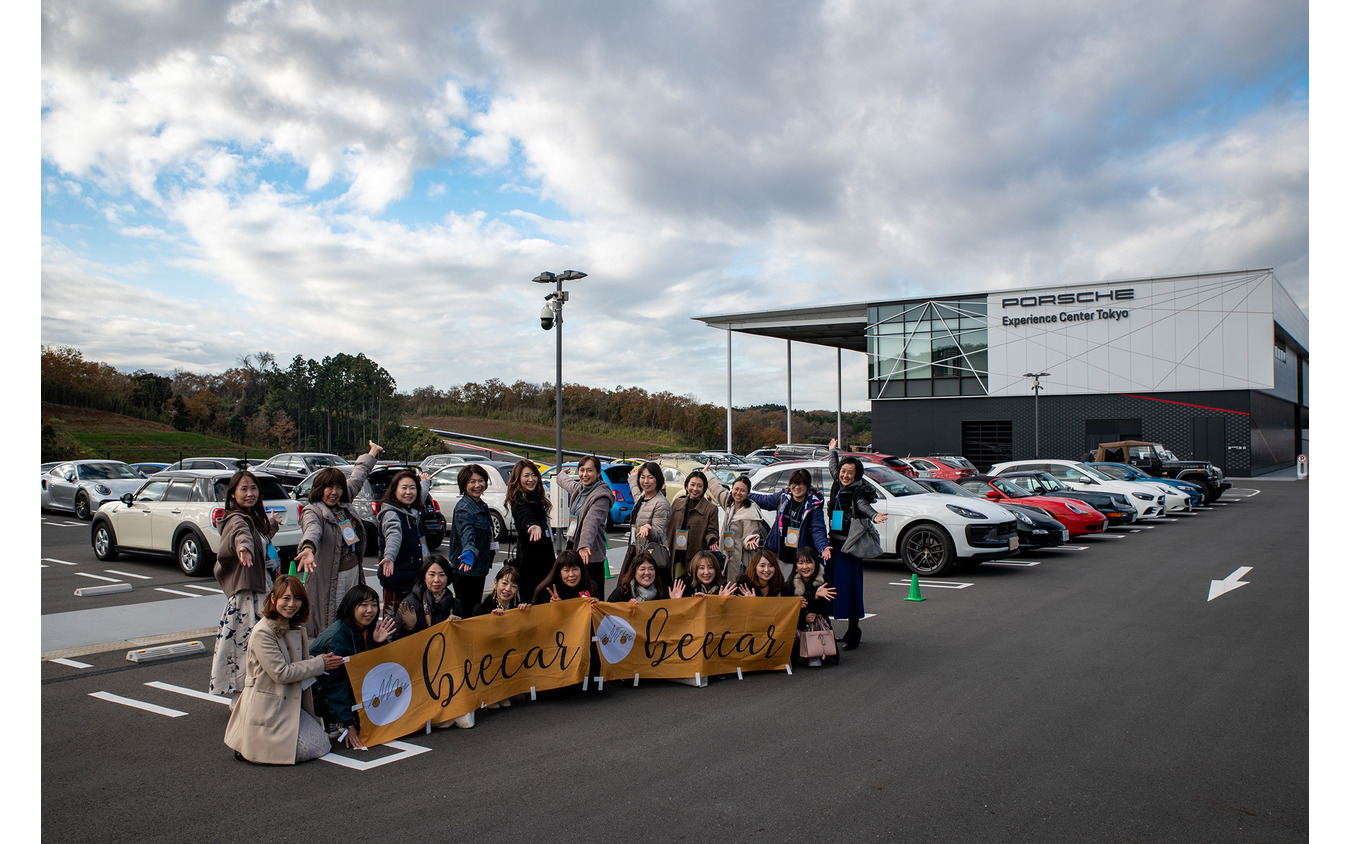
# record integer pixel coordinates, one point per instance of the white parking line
(406, 751)
(70, 663)
(1108, 535)
(204, 588)
(129, 574)
(180, 690)
(1018, 563)
(940, 584)
(1071, 547)
(62, 562)
(176, 592)
(98, 577)
(138, 704)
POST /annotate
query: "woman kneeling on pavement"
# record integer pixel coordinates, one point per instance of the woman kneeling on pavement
(272, 720)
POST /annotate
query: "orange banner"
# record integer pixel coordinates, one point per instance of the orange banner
(455, 667)
(688, 636)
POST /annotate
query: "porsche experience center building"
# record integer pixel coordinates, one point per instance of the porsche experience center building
(1212, 365)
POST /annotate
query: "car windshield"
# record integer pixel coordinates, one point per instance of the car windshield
(325, 460)
(892, 481)
(1012, 489)
(949, 488)
(1095, 474)
(1118, 472)
(1166, 454)
(958, 462)
(270, 489)
(107, 472)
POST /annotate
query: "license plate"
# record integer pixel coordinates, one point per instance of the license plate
(1012, 544)
(1064, 534)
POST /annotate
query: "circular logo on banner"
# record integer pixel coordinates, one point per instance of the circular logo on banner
(615, 638)
(386, 692)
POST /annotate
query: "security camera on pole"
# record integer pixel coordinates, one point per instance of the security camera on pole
(551, 315)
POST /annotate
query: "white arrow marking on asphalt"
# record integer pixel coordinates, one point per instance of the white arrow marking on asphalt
(1228, 584)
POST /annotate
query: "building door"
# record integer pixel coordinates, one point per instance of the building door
(1098, 431)
(1208, 441)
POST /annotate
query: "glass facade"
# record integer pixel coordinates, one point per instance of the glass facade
(932, 348)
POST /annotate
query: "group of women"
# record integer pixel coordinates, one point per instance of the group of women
(283, 639)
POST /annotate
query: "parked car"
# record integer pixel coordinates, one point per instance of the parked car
(1158, 462)
(929, 531)
(179, 512)
(1036, 528)
(445, 492)
(1115, 506)
(433, 462)
(896, 463)
(232, 463)
(145, 470)
(766, 455)
(945, 467)
(365, 502)
(1122, 472)
(1148, 499)
(82, 486)
(291, 467)
(801, 451)
(616, 475)
(1077, 516)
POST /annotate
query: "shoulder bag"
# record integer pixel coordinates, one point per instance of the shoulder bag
(863, 540)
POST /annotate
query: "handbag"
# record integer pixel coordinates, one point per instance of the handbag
(863, 540)
(816, 641)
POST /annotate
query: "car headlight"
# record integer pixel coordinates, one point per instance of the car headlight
(1021, 517)
(1142, 496)
(102, 490)
(964, 513)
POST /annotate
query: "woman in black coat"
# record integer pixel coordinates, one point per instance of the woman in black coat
(529, 512)
(850, 498)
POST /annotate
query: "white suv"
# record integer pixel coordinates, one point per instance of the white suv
(929, 531)
(1150, 500)
(179, 513)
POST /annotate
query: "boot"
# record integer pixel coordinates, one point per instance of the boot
(853, 635)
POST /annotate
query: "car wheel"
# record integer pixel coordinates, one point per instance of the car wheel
(82, 506)
(193, 555)
(498, 526)
(926, 549)
(105, 544)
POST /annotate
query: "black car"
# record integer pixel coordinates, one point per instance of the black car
(1035, 527)
(293, 467)
(365, 505)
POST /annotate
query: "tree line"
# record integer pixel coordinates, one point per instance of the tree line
(338, 403)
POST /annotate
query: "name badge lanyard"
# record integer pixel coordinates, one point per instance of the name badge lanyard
(682, 535)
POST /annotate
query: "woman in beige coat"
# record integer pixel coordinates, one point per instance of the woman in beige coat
(272, 720)
(746, 522)
(332, 540)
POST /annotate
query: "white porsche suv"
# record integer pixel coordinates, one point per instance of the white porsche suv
(178, 513)
(929, 531)
(1150, 500)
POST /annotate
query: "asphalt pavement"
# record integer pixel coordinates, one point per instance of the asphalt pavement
(1094, 695)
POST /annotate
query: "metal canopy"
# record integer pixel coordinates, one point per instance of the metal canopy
(834, 326)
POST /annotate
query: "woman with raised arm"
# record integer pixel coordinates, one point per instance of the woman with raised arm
(746, 525)
(241, 570)
(590, 500)
(851, 497)
(332, 539)
(529, 512)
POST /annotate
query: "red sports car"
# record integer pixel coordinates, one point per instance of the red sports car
(948, 468)
(884, 459)
(1077, 516)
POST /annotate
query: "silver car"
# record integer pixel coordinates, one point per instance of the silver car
(82, 486)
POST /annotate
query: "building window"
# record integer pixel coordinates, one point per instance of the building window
(933, 348)
(985, 443)
(1281, 352)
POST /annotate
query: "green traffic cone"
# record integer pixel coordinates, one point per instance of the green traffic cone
(914, 589)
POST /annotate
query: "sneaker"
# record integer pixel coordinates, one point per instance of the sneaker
(465, 721)
(505, 703)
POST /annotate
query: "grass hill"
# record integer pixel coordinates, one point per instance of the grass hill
(600, 439)
(113, 436)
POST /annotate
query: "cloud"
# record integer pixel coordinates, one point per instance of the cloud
(693, 157)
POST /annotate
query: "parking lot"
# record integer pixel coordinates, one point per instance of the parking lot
(1091, 692)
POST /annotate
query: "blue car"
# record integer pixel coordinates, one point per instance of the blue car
(1124, 472)
(616, 475)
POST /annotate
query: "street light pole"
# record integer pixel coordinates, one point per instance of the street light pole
(552, 317)
(1036, 402)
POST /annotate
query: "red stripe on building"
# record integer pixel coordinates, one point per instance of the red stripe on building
(1184, 404)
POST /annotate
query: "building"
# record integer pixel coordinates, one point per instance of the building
(1212, 365)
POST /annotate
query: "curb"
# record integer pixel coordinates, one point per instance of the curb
(132, 644)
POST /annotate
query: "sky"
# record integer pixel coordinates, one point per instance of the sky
(219, 179)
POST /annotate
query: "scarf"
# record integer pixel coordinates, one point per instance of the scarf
(644, 593)
(580, 497)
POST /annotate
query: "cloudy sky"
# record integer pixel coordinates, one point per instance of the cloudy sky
(321, 177)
